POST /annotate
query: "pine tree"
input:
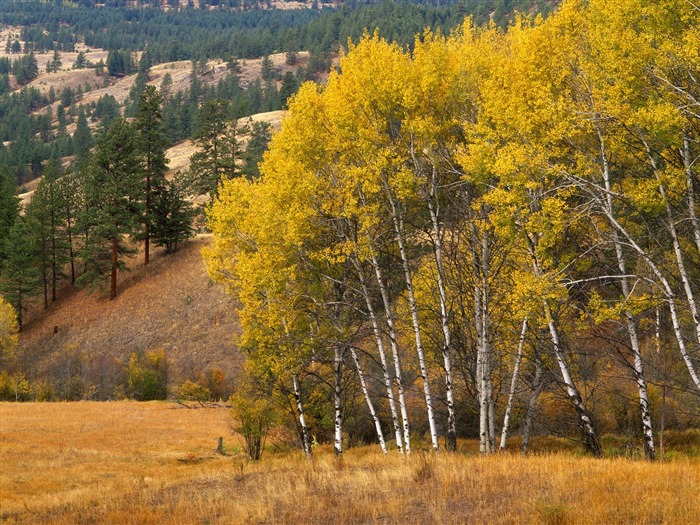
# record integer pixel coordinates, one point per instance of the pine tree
(152, 144)
(45, 218)
(114, 205)
(82, 138)
(267, 69)
(20, 273)
(172, 215)
(9, 206)
(260, 135)
(220, 149)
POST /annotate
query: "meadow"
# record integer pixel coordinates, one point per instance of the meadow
(155, 463)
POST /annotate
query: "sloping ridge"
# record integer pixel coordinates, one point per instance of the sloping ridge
(170, 304)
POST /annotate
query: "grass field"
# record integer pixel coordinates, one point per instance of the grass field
(154, 463)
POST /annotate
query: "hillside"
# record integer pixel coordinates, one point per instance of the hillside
(172, 305)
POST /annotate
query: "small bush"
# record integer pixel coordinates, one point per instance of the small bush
(254, 414)
(147, 376)
(14, 387)
(194, 391)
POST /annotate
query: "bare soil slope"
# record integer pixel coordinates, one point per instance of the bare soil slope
(171, 304)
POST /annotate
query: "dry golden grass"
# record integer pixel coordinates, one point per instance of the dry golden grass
(148, 463)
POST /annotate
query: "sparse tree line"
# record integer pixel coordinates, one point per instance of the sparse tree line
(79, 225)
(491, 233)
(33, 133)
(82, 223)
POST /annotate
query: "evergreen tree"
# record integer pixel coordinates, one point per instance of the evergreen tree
(80, 61)
(152, 143)
(267, 69)
(260, 135)
(20, 274)
(45, 219)
(114, 207)
(82, 138)
(220, 149)
(9, 206)
(172, 215)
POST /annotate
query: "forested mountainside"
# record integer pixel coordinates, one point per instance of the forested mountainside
(478, 230)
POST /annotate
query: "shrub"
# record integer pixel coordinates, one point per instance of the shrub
(147, 376)
(194, 391)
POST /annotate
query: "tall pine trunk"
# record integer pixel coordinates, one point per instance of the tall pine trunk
(115, 253)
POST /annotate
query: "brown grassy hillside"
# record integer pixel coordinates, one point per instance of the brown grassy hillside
(171, 304)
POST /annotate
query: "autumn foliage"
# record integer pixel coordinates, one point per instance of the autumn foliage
(429, 205)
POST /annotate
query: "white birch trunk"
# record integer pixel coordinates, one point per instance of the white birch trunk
(647, 431)
(513, 384)
(368, 400)
(337, 401)
(590, 440)
(444, 317)
(480, 343)
(305, 441)
(677, 248)
(487, 431)
(388, 313)
(398, 229)
(382, 354)
(668, 292)
(532, 403)
(688, 163)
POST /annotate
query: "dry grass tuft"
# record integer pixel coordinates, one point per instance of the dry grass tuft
(147, 463)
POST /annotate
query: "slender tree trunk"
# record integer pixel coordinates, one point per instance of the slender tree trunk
(382, 355)
(113, 287)
(532, 403)
(670, 298)
(398, 228)
(44, 274)
(647, 430)
(54, 262)
(69, 229)
(513, 384)
(305, 441)
(147, 229)
(337, 401)
(590, 440)
(677, 248)
(368, 400)
(688, 162)
(389, 315)
(444, 318)
(486, 408)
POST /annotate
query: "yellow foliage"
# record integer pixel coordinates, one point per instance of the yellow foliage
(9, 329)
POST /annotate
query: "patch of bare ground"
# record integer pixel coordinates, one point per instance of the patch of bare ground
(147, 463)
(170, 304)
